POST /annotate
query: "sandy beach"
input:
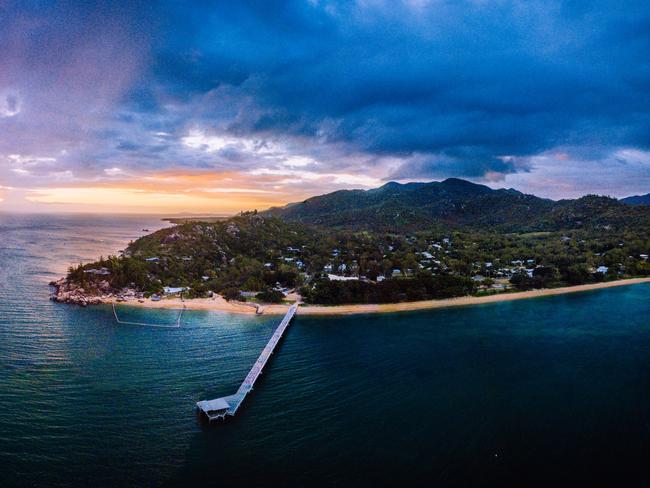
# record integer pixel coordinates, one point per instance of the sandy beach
(220, 304)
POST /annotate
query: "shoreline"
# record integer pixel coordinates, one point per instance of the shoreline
(221, 305)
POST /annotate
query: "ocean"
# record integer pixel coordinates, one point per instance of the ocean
(551, 391)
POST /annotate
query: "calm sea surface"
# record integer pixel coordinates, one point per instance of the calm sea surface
(553, 391)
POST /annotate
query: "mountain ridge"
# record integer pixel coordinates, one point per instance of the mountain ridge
(637, 199)
(454, 203)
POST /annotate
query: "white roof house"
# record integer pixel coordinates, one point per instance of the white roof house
(334, 277)
(170, 290)
(602, 269)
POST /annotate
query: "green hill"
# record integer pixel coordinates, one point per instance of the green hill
(637, 199)
(456, 204)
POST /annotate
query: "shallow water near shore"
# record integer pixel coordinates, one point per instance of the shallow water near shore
(553, 390)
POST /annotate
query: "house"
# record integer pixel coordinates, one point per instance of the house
(397, 272)
(426, 255)
(602, 269)
(155, 298)
(327, 268)
(342, 268)
(380, 278)
(153, 259)
(172, 290)
(478, 279)
(333, 277)
(643, 256)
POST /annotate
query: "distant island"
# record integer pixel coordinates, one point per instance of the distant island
(395, 244)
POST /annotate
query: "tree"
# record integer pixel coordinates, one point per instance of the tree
(233, 294)
(270, 296)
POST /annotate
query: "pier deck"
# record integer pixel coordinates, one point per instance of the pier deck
(228, 405)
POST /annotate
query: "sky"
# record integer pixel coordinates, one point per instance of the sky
(216, 107)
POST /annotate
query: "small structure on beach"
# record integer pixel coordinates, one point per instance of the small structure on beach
(172, 290)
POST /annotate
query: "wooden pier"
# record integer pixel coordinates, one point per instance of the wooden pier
(228, 405)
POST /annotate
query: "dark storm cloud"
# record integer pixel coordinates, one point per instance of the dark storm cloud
(504, 78)
(468, 88)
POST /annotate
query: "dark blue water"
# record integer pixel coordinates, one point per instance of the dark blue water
(552, 391)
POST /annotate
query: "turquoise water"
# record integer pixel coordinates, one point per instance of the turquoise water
(529, 393)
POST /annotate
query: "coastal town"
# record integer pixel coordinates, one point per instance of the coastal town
(263, 260)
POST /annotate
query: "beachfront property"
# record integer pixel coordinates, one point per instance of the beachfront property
(173, 290)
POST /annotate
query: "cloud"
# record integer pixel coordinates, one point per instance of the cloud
(324, 93)
(9, 104)
(574, 171)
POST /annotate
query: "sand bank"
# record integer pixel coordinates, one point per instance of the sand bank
(219, 304)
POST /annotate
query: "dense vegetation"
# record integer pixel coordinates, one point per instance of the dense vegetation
(494, 241)
(421, 287)
(457, 204)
